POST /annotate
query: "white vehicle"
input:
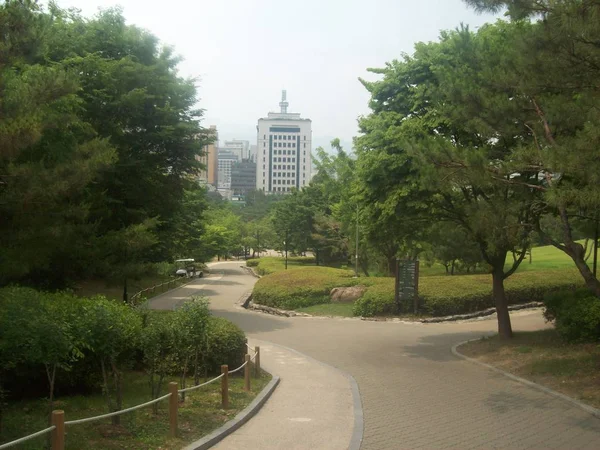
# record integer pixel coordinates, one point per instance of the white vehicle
(187, 268)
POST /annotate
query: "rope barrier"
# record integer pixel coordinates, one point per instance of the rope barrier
(239, 368)
(116, 413)
(200, 385)
(26, 438)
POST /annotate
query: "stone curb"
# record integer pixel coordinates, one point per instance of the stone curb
(590, 409)
(239, 420)
(274, 311)
(483, 313)
(251, 271)
(358, 428)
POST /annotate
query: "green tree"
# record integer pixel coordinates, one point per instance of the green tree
(453, 155)
(113, 333)
(553, 70)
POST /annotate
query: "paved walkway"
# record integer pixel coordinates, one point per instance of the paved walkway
(310, 409)
(415, 393)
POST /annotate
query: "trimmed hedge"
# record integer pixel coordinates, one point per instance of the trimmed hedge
(272, 264)
(576, 315)
(444, 295)
(226, 344)
(300, 287)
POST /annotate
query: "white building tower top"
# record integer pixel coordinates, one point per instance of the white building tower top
(283, 104)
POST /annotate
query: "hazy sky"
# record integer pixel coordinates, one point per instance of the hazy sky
(244, 52)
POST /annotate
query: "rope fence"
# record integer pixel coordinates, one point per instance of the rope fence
(58, 416)
(193, 388)
(117, 413)
(26, 438)
(139, 294)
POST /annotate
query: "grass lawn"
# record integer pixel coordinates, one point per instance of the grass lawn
(329, 309)
(199, 415)
(542, 357)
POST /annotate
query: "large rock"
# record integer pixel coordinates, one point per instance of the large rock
(346, 294)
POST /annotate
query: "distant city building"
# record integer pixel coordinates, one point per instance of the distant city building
(209, 175)
(226, 159)
(243, 177)
(253, 152)
(283, 158)
(237, 146)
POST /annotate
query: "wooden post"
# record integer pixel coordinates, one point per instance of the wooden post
(173, 405)
(257, 362)
(225, 386)
(58, 434)
(247, 374)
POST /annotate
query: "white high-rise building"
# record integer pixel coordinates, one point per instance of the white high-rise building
(237, 146)
(283, 158)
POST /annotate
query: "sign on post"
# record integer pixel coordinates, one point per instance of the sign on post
(407, 283)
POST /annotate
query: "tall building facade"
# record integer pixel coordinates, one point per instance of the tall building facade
(243, 177)
(283, 159)
(237, 146)
(209, 175)
(226, 160)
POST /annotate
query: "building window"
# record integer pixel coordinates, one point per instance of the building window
(304, 147)
(263, 166)
(263, 174)
(304, 137)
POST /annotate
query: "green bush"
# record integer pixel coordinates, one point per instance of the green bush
(300, 287)
(445, 295)
(272, 264)
(378, 299)
(226, 344)
(576, 315)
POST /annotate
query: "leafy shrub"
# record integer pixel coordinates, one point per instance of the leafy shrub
(576, 315)
(271, 264)
(378, 299)
(443, 295)
(300, 287)
(226, 344)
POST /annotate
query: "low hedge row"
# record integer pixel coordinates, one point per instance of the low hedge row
(272, 264)
(443, 295)
(439, 295)
(299, 287)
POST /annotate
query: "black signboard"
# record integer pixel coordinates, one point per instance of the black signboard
(407, 283)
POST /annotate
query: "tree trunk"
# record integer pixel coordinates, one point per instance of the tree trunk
(196, 369)
(105, 387)
(452, 267)
(117, 379)
(576, 251)
(51, 377)
(504, 326)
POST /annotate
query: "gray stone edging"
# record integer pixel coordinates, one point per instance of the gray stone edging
(240, 419)
(251, 270)
(483, 313)
(590, 409)
(274, 311)
(358, 427)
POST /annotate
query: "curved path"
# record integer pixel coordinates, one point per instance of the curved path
(415, 393)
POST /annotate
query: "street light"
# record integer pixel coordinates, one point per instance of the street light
(286, 248)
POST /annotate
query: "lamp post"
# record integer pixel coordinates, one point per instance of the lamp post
(356, 255)
(285, 243)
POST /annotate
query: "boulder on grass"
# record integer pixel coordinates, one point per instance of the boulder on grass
(346, 294)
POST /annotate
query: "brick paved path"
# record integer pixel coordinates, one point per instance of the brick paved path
(415, 393)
